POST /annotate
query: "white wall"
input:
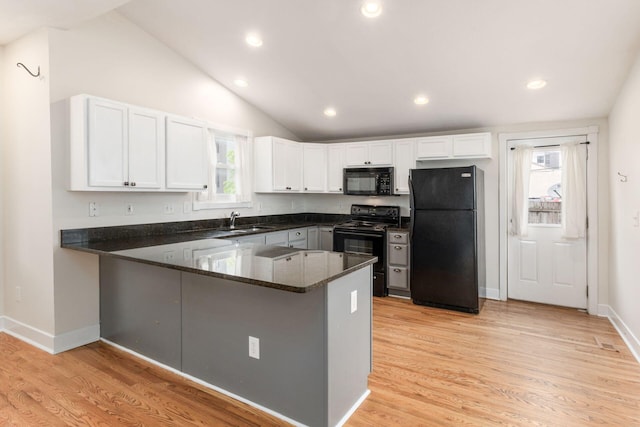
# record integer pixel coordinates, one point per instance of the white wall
(112, 58)
(624, 278)
(26, 186)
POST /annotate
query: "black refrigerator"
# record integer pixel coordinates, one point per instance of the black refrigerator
(447, 237)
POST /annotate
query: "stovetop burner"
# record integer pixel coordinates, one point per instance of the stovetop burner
(376, 218)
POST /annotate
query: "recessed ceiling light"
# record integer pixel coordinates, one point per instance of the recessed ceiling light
(240, 83)
(330, 112)
(371, 8)
(253, 39)
(420, 100)
(536, 84)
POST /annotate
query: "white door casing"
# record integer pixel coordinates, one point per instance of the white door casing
(544, 267)
(557, 249)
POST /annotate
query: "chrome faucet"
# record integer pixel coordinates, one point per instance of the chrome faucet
(232, 219)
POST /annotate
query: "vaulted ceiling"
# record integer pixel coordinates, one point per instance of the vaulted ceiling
(472, 59)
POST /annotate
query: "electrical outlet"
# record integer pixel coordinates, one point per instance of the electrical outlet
(354, 301)
(93, 209)
(168, 208)
(18, 293)
(169, 256)
(129, 209)
(254, 347)
(186, 207)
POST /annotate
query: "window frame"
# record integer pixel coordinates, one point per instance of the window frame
(245, 198)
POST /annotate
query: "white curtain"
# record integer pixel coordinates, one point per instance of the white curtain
(574, 191)
(520, 201)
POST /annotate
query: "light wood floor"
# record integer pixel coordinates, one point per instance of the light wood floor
(514, 364)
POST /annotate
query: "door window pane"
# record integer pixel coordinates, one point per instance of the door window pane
(545, 190)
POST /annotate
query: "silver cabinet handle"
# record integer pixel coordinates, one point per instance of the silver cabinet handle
(397, 247)
(298, 233)
(397, 270)
(133, 184)
(397, 236)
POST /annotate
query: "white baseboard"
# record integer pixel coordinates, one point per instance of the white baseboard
(490, 293)
(627, 335)
(52, 344)
(353, 408)
(77, 338)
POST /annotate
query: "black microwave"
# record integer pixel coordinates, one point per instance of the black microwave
(368, 181)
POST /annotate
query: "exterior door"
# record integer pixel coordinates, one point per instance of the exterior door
(543, 266)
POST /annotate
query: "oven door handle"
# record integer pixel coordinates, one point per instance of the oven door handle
(352, 233)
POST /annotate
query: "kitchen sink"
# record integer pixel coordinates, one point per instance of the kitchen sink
(248, 229)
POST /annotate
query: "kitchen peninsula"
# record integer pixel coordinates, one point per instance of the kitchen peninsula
(284, 329)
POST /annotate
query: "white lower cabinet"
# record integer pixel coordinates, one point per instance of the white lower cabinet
(298, 238)
(312, 238)
(326, 238)
(398, 263)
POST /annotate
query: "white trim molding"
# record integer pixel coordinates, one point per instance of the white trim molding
(490, 293)
(591, 132)
(52, 344)
(627, 335)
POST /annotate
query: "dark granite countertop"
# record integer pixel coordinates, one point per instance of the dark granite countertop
(278, 267)
(207, 248)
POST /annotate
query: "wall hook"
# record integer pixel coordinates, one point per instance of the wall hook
(20, 64)
(623, 178)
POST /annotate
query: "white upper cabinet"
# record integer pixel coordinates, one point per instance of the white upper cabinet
(146, 148)
(434, 147)
(277, 165)
(187, 166)
(378, 153)
(314, 171)
(335, 166)
(115, 146)
(472, 145)
(405, 159)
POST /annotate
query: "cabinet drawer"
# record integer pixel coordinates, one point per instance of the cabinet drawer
(297, 234)
(398, 278)
(398, 237)
(398, 255)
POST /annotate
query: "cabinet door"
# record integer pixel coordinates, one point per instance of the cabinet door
(405, 159)
(381, 153)
(256, 238)
(280, 157)
(472, 145)
(186, 151)
(294, 166)
(335, 166)
(357, 154)
(434, 147)
(287, 165)
(278, 238)
(326, 238)
(315, 167)
(146, 148)
(107, 143)
(312, 238)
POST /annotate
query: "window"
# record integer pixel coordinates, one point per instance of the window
(545, 189)
(229, 171)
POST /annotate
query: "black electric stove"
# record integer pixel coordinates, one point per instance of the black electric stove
(366, 233)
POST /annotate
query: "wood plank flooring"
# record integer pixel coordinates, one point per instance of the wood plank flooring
(513, 364)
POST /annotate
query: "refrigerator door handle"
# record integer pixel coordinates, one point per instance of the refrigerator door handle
(411, 208)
